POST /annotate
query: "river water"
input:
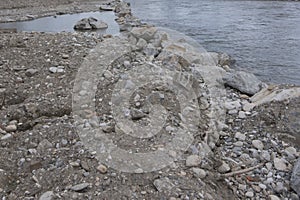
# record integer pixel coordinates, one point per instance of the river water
(262, 36)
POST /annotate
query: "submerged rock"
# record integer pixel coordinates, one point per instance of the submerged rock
(89, 24)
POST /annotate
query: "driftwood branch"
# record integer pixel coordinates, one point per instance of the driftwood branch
(242, 171)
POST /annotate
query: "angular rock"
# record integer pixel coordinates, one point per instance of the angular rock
(244, 82)
(163, 184)
(89, 24)
(30, 72)
(295, 178)
(146, 33)
(80, 187)
(280, 164)
(240, 136)
(224, 168)
(136, 114)
(193, 160)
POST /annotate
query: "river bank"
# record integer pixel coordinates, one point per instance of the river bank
(244, 146)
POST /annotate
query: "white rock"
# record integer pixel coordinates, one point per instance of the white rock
(53, 69)
(193, 160)
(249, 194)
(258, 144)
(242, 115)
(11, 128)
(274, 197)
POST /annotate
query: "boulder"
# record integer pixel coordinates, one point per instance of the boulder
(146, 33)
(89, 24)
(295, 178)
(245, 82)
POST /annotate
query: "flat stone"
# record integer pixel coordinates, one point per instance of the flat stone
(258, 144)
(273, 197)
(163, 184)
(11, 128)
(85, 166)
(290, 151)
(233, 105)
(265, 155)
(280, 164)
(238, 144)
(199, 172)
(30, 72)
(240, 136)
(242, 115)
(193, 161)
(80, 187)
(224, 168)
(53, 69)
(47, 196)
(244, 82)
(98, 25)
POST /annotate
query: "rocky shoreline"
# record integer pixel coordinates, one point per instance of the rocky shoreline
(246, 139)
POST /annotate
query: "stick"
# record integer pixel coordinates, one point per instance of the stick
(242, 171)
(2, 103)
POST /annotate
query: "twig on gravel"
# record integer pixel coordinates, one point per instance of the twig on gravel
(242, 171)
(2, 102)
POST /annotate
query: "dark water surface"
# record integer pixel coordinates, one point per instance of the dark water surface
(64, 23)
(263, 36)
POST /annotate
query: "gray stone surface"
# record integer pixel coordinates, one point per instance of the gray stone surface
(49, 195)
(89, 24)
(295, 178)
(244, 82)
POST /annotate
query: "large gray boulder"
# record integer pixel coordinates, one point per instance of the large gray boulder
(245, 82)
(89, 24)
(295, 178)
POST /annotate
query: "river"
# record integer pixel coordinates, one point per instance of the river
(262, 36)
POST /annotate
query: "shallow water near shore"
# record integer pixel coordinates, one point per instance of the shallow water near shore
(65, 23)
(262, 36)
